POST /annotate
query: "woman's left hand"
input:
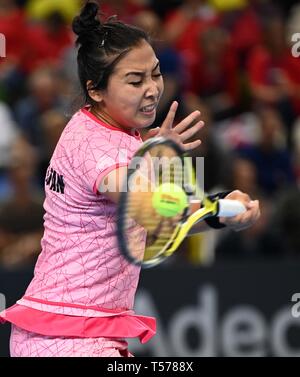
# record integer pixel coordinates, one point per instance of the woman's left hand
(245, 219)
(181, 132)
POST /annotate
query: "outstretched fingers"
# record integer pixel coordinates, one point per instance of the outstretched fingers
(192, 145)
(186, 122)
(191, 131)
(168, 122)
(184, 130)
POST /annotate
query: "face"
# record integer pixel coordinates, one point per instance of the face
(134, 90)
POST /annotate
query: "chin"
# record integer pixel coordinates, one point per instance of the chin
(145, 123)
(140, 122)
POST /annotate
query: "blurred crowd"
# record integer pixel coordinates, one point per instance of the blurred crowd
(230, 59)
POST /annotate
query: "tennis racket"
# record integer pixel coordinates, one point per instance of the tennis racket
(145, 236)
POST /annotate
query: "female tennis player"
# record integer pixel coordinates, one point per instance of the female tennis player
(80, 301)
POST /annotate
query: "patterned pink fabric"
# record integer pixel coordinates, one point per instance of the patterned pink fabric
(80, 271)
(80, 262)
(28, 344)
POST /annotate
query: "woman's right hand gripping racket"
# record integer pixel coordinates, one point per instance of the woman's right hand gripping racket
(154, 213)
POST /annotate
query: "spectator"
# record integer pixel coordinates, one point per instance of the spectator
(271, 157)
(184, 25)
(44, 95)
(274, 73)
(296, 156)
(244, 174)
(46, 42)
(52, 122)
(216, 159)
(125, 9)
(13, 27)
(9, 133)
(215, 75)
(185, 22)
(243, 24)
(41, 9)
(21, 217)
(170, 62)
(260, 242)
(287, 222)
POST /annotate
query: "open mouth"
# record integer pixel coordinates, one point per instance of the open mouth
(148, 109)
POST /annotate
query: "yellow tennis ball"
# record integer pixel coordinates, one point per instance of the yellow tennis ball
(169, 200)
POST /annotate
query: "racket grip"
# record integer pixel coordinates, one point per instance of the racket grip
(229, 208)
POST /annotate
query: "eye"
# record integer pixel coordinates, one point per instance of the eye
(136, 83)
(157, 74)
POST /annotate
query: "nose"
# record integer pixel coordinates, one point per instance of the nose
(152, 89)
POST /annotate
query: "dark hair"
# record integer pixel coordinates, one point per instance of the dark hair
(101, 46)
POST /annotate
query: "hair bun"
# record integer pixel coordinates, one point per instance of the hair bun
(87, 21)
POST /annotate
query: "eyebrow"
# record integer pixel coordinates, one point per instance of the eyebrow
(141, 73)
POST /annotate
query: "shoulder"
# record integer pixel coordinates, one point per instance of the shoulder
(85, 133)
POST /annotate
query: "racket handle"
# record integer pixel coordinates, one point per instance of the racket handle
(229, 208)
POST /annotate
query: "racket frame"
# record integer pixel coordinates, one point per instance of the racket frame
(209, 207)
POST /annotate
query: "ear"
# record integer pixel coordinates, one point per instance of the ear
(96, 95)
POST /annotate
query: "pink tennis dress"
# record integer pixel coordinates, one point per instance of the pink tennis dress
(80, 301)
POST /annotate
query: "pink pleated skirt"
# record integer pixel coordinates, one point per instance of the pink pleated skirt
(36, 333)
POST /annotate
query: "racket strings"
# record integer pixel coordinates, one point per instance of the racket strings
(159, 165)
